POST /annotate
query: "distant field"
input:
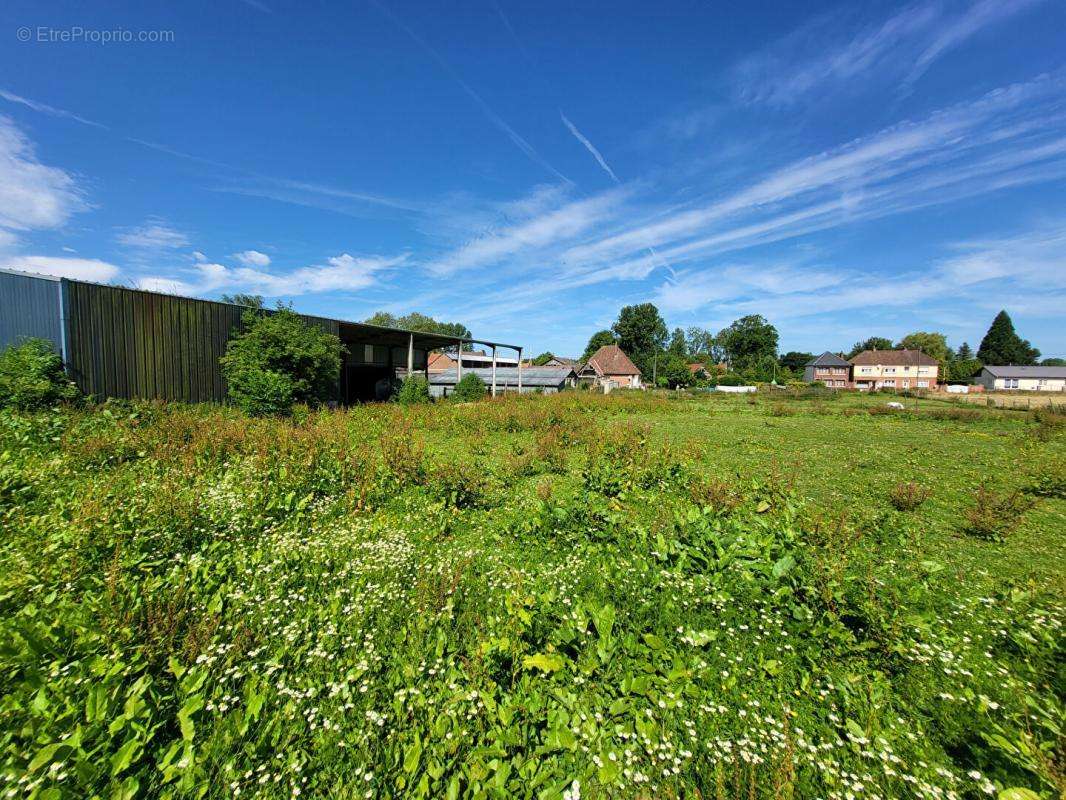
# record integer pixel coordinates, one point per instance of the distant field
(1017, 400)
(542, 597)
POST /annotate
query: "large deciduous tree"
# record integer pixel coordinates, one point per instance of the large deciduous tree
(596, 341)
(421, 323)
(678, 344)
(930, 343)
(703, 345)
(795, 360)
(673, 371)
(1002, 345)
(243, 299)
(543, 358)
(873, 343)
(749, 341)
(641, 334)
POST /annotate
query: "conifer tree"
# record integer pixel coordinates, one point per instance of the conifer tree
(1002, 345)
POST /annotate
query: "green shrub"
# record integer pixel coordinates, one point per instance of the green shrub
(32, 376)
(994, 515)
(714, 494)
(263, 393)
(459, 485)
(415, 389)
(1047, 477)
(469, 388)
(908, 496)
(280, 360)
(731, 380)
(1048, 424)
(956, 414)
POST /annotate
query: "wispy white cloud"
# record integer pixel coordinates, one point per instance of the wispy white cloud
(32, 195)
(1035, 259)
(965, 149)
(44, 108)
(1025, 270)
(551, 227)
(692, 290)
(361, 205)
(252, 258)
(517, 139)
(342, 273)
(819, 57)
(1010, 137)
(154, 234)
(168, 286)
(589, 146)
(249, 183)
(85, 269)
(258, 6)
(980, 15)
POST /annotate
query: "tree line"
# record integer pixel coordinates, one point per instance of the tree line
(748, 349)
(744, 351)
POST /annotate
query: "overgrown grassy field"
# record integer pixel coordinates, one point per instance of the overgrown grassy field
(541, 597)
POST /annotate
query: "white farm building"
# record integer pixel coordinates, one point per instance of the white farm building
(1023, 379)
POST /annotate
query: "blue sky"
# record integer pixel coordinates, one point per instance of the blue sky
(844, 169)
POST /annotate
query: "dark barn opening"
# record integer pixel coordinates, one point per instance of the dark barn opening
(377, 359)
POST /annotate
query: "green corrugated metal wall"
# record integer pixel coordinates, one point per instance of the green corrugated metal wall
(134, 344)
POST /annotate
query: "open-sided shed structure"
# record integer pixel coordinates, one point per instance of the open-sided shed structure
(546, 380)
(130, 343)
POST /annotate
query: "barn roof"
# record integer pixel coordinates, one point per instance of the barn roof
(507, 376)
(1026, 372)
(611, 360)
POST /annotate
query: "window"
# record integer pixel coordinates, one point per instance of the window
(891, 383)
(923, 384)
(864, 370)
(1010, 383)
(890, 370)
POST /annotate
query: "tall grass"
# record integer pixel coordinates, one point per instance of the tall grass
(524, 597)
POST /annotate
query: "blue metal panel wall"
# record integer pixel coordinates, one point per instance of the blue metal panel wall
(29, 307)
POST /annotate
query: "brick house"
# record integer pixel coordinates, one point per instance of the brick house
(830, 369)
(894, 369)
(610, 368)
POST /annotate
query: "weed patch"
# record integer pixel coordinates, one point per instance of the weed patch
(994, 515)
(908, 496)
(543, 597)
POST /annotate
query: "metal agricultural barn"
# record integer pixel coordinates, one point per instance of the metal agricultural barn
(130, 343)
(547, 380)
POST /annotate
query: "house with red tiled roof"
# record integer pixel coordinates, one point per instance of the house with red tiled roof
(894, 369)
(610, 368)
